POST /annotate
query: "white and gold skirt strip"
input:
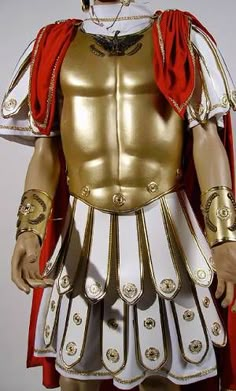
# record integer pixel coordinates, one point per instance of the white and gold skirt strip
(131, 296)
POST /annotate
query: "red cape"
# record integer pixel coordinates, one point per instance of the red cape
(174, 68)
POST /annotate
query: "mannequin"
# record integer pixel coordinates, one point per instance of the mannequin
(43, 173)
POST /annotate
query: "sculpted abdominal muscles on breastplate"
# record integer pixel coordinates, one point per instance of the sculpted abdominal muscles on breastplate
(107, 159)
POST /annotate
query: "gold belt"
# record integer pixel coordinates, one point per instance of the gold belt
(127, 201)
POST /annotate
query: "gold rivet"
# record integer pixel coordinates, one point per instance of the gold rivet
(201, 274)
(71, 348)
(149, 323)
(119, 199)
(167, 286)
(53, 305)
(188, 315)
(65, 282)
(26, 209)
(223, 213)
(10, 104)
(113, 355)
(206, 302)
(152, 187)
(47, 331)
(85, 191)
(195, 346)
(224, 101)
(129, 290)
(152, 354)
(216, 329)
(112, 324)
(95, 289)
(77, 319)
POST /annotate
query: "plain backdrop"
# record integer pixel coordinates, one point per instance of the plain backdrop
(19, 22)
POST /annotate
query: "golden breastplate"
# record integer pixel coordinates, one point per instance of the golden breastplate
(122, 141)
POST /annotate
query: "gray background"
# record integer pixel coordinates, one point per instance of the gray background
(19, 22)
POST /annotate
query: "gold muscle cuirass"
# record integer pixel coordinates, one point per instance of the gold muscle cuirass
(121, 139)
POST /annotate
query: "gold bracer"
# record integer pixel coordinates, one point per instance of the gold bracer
(219, 210)
(33, 213)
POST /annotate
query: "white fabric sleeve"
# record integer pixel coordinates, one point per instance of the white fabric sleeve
(214, 92)
(15, 122)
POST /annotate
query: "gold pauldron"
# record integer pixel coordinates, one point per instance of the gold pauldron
(218, 207)
(33, 213)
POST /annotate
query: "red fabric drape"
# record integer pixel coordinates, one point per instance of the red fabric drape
(174, 73)
(173, 61)
(48, 53)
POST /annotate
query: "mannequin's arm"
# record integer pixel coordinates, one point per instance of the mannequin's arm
(212, 168)
(43, 174)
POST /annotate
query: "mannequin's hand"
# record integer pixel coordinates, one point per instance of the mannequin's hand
(224, 258)
(25, 263)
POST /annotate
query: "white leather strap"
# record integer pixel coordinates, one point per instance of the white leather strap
(75, 332)
(51, 317)
(152, 350)
(191, 329)
(196, 263)
(163, 266)
(212, 319)
(97, 276)
(114, 334)
(73, 252)
(130, 268)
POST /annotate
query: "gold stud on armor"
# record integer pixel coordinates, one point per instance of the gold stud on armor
(206, 302)
(26, 209)
(152, 187)
(10, 104)
(125, 2)
(77, 319)
(113, 355)
(129, 290)
(95, 289)
(167, 286)
(71, 348)
(112, 324)
(85, 191)
(188, 315)
(119, 200)
(149, 323)
(53, 306)
(152, 354)
(223, 213)
(201, 274)
(65, 282)
(195, 346)
(216, 329)
(47, 331)
(224, 101)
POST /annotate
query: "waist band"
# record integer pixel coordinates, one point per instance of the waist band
(125, 201)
